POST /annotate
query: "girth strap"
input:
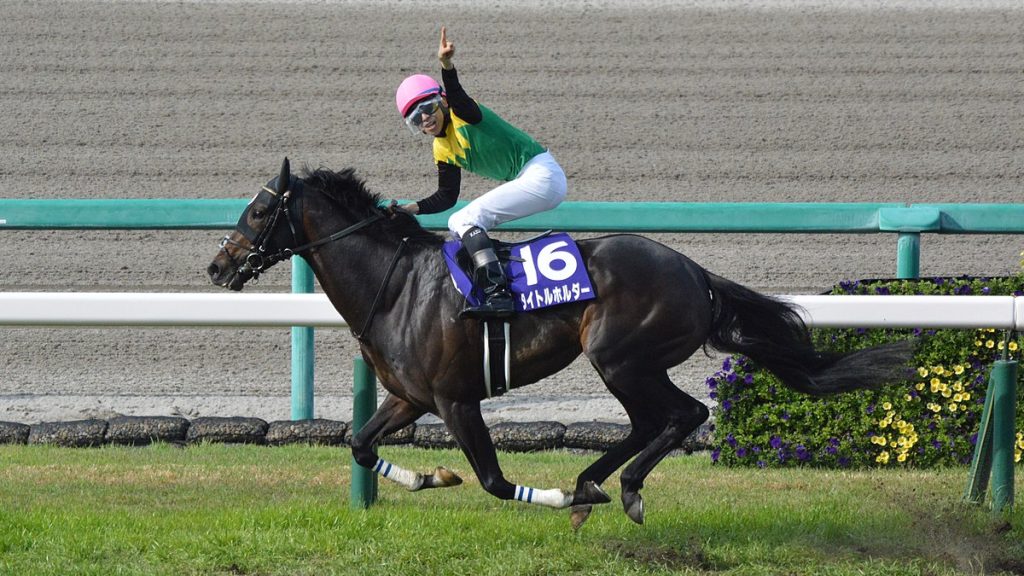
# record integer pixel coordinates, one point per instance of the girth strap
(497, 357)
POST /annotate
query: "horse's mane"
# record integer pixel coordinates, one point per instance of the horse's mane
(348, 193)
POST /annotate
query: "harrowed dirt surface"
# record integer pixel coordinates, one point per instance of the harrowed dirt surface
(701, 101)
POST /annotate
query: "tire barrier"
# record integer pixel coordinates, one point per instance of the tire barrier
(145, 430)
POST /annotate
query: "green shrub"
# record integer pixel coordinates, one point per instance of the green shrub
(929, 420)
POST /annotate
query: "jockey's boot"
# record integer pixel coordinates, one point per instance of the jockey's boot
(488, 279)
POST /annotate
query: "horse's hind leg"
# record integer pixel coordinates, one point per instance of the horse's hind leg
(645, 426)
(395, 414)
(683, 415)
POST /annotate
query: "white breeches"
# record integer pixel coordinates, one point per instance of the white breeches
(540, 186)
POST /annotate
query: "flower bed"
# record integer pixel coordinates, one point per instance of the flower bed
(931, 419)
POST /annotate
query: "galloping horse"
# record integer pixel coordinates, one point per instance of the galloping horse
(654, 309)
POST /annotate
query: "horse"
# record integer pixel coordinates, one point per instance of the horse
(654, 308)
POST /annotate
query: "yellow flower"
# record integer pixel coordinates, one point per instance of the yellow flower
(908, 398)
(958, 369)
(946, 393)
(958, 386)
(977, 343)
(989, 344)
(1013, 346)
(958, 397)
(902, 457)
(887, 406)
(953, 407)
(934, 407)
(922, 371)
(938, 369)
(880, 440)
(919, 386)
(883, 458)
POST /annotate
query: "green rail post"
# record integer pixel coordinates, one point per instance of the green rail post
(908, 255)
(1003, 387)
(364, 403)
(302, 347)
(993, 453)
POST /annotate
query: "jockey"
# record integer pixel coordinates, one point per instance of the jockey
(471, 136)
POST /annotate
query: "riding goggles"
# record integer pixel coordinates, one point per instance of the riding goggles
(414, 119)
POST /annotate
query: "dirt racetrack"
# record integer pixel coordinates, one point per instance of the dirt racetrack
(699, 100)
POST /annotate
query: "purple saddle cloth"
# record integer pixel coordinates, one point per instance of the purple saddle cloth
(543, 272)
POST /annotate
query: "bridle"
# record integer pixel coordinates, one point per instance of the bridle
(257, 260)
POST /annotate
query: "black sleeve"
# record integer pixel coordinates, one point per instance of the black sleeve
(460, 102)
(449, 181)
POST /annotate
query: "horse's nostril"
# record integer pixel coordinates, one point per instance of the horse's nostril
(213, 270)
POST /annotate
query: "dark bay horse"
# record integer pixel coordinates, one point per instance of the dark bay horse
(654, 309)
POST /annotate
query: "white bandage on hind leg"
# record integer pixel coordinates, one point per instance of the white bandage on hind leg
(410, 480)
(554, 498)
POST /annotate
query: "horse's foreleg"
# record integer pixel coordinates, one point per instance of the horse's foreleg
(395, 414)
(467, 425)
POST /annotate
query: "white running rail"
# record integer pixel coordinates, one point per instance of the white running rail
(289, 309)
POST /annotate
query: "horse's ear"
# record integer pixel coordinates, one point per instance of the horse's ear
(285, 177)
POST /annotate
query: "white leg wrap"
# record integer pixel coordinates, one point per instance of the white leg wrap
(410, 480)
(553, 498)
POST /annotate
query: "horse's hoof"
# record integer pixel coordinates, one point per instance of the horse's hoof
(634, 506)
(594, 494)
(444, 477)
(579, 515)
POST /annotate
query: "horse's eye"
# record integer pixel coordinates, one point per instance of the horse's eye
(259, 213)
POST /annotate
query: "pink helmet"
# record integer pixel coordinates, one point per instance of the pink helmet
(413, 89)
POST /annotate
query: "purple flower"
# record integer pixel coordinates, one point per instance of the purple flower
(748, 379)
(727, 365)
(761, 464)
(883, 290)
(726, 405)
(785, 415)
(730, 440)
(741, 452)
(986, 290)
(715, 454)
(775, 442)
(802, 454)
(832, 450)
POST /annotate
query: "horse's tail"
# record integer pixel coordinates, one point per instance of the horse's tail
(771, 333)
